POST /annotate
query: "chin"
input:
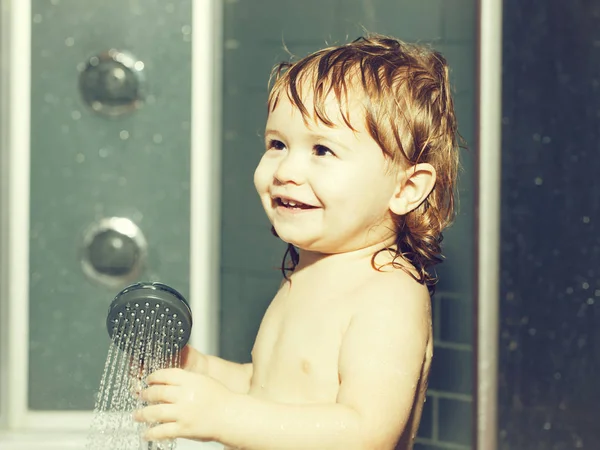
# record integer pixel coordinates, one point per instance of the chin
(291, 238)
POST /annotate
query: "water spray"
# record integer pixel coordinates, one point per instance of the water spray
(149, 324)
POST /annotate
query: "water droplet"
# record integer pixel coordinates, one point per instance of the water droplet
(174, 316)
(178, 323)
(137, 305)
(141, 311)
(121, 314)
(147, 304)
(167, 309)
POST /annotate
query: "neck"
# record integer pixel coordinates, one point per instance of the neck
(331, 261)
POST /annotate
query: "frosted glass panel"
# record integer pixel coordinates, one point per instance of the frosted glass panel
(550, 290)
(90, 164)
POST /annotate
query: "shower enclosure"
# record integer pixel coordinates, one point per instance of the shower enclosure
(104, 182)
(129, 131)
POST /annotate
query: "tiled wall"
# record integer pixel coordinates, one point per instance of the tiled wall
(253, 38)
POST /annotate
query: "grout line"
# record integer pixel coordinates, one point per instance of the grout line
(446, 395)
(450, 295)
(453, 345)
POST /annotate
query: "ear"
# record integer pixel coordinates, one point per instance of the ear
(414, 186)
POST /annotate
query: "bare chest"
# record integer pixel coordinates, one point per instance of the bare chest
(295, 355)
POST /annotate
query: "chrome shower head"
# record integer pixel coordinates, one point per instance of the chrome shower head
(146, 312)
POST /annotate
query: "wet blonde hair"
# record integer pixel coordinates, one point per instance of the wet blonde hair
(409, 112)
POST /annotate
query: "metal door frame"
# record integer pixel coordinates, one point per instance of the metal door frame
(487, 217)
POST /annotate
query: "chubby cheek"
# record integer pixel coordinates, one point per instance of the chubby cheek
(262, 179)
(367, 197)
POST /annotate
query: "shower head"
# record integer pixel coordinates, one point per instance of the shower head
(145, 314)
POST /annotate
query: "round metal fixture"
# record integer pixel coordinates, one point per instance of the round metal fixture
(114, 251)
(112, 83)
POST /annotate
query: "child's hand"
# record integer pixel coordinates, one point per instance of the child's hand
(193, 360)
(184, 404)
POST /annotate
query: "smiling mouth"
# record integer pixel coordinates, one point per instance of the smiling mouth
(291, 204)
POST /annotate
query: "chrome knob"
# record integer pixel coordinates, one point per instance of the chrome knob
(114, 252)
(112, 83)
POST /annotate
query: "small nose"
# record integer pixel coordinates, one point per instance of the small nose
(290, 169)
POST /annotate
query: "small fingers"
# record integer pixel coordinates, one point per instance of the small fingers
(163, 431)
(162, 413)
(161, 393)
(167, 376)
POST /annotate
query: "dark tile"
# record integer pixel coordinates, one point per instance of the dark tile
(426, 425)
(420, 446)
(452, 371)
(455, 421)
(456, 320)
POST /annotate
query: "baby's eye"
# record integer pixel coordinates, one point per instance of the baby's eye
(321, 150)
(275, 144)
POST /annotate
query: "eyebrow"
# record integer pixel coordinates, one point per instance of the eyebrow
(270, 131)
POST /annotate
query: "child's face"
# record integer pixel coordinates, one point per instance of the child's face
(340, 177)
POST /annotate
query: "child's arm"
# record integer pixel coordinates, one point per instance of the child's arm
(380, 364)
(236, 377)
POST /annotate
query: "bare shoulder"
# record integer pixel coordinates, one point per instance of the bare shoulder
(395, 292)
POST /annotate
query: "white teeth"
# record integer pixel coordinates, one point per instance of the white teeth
(290, 203)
